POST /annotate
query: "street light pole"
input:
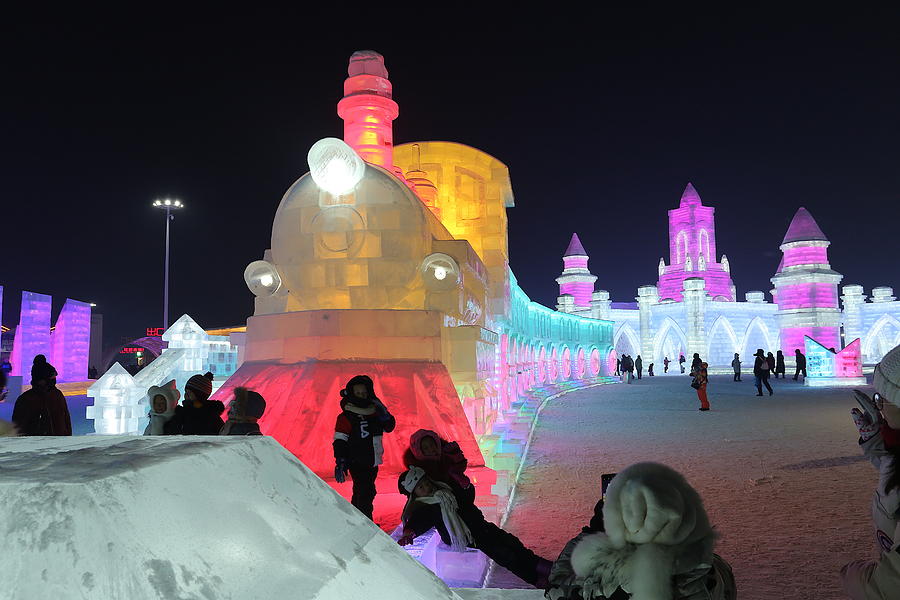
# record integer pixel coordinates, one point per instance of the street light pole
(167, 204)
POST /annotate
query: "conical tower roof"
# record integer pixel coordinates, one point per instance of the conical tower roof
(690, 195)
(575, 248)
(803, 228)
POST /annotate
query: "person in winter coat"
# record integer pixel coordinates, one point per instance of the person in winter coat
(441, 460)
(649, 538)
(618, 366)
(650, 370)
(770, 360)
(461, 525)
(198, 415)
(245, 410)
(42, 410)
(736, 365)
(357, 439)
(666, 362)
(801, 364)
(639, 366)
(695, 363)
(879, 437)
(628, 366)
(163, 402)
(779, 364)
(681, 361)
(761, 372)
(701, 379)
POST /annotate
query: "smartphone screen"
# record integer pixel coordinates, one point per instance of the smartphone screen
(604, 482)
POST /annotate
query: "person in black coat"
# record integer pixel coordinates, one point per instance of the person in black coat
(779, 364)
(244, 412)
(695, 363)
(801, 364)
(761, 372)
(357, 440)
(42, 410)
(770, 360)
(639, 366)
(461, 525)
(198, 415)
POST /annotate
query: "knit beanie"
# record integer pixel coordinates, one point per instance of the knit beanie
(887, 377)
(41, 369)
(247, 404)
(201, 385)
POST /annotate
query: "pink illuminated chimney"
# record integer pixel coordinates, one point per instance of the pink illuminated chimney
(806, 288)
(692, 251)
(368, 110)
(576, 280)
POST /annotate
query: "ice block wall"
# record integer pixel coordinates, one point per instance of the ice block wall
(70, 341)
(32, 334)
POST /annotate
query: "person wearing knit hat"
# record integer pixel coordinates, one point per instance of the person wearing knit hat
(163, 402)
(198, 415)
(42, 410)
(878, 422)
(461, 525)
(650, 539)
(244, 412)
(442, 460)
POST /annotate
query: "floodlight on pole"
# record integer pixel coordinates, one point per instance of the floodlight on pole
(167, 204)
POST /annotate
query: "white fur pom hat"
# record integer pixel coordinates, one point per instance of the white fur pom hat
(652, 503)
(887, 377)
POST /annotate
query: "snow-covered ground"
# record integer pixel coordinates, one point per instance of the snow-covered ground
(782, 477)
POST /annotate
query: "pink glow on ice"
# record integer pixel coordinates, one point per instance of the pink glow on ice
(807, 295)
(575, 262)
(692, 234)
(807, 255)
(581, 292)
(32, 334)
(792, 338)
(368, 110)
(70, 341)
(848, 362)
(803, 228)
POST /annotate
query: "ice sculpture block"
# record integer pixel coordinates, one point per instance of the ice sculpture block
(70, 341)
(827, 368)
(32, 334)
(117, 408)
(188, 517)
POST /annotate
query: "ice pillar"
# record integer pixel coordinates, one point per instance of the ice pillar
(853, 299)
(368, 110)
(70, 341)
(648, 295)
(32, 334)
(601, 305)
(694, 294)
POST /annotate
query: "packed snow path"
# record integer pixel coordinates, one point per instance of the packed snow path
(782, 477)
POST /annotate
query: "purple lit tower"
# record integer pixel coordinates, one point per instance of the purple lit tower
(806, 289)
(692, 251)
(32, 334)
(70, 341)
(576, 284)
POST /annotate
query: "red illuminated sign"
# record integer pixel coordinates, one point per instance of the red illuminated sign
(155, 331)
(130, 350)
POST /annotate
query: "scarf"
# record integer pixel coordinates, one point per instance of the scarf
(460, 536)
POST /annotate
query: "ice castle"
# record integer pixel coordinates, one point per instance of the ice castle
(694, 307)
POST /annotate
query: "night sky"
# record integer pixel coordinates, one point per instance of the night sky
(602, 118)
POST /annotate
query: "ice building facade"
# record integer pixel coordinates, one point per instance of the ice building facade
(402, 274)
(694, 305)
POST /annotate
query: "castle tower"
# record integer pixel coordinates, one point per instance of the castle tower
(806, 289)
(368, 110)
(692, 251)
(576, 281)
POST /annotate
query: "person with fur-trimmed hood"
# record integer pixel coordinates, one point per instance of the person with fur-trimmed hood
(163, 402)
(357, 440)
(244, 412)
(649, 539)
(461, 525)
(198, 415)
(879, 437)
(441, 460)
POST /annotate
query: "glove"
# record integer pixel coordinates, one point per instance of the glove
(380, 409)
(868, 405)
(340, 470)
(407, 539)
(863, 421)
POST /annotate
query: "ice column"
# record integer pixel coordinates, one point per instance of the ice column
(853, 299)
(32, 334)
(368, 110)
(70, 341)
(601, 305)
(576, 280)
(694, 294)
(648, 295)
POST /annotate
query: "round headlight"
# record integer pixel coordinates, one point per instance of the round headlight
(440, 271)
(262, 278)
(335, 166)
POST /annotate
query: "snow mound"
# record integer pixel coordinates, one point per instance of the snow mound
(188, 518)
